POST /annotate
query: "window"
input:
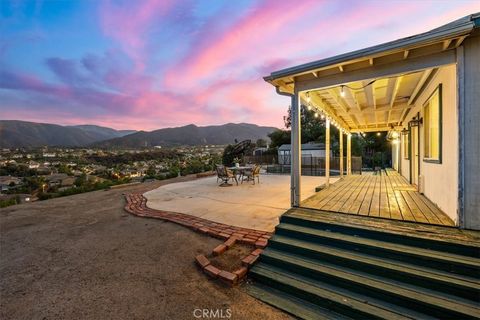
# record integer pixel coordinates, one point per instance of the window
(432, 126)
(406, 145)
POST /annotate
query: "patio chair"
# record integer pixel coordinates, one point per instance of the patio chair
(220, 171)
(251, 174)
(225, 174)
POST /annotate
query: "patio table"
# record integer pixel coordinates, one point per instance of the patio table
(239, 170)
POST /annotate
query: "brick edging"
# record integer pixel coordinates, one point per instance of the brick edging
(137, 205)
(231, 278)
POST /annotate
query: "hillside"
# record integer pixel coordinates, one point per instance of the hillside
(23, 134)
(190, 135)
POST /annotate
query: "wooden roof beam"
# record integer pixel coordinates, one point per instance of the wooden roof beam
(446, 44)
(459, 41)
(376, 129)
(342, 104)
(319, 103)
(370, 94)
(419, 86)
(350, 95)
(393, 85)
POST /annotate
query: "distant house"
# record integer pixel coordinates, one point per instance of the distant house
(60, 179)
(310, 149)
(33, 165)
(49, 154)
(259, 151)
(7, 182)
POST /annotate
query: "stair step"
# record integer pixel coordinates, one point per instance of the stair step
(291, 304)
(446, 261)
(378, 234)
(462, 286)
(328, 297)
(374, 287)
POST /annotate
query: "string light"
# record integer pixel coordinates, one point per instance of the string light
(342, 91)
(308, 98)
(322, 116)
(316, 115)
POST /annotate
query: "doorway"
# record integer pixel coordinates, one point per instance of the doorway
(414, 145)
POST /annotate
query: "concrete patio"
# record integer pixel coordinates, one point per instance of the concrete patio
(251, 206)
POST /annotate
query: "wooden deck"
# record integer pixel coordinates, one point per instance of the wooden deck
(385, 195)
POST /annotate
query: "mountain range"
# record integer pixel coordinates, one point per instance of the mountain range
(22, 134)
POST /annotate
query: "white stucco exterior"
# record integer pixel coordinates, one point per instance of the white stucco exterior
(440, 179)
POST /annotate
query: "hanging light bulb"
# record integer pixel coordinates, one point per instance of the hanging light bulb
(308, 98)
(316, 115)
(322, 116)
(342, 91)
(309, 107)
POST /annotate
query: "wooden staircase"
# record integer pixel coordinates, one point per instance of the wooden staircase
(318, 268)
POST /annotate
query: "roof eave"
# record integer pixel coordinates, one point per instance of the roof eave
(396, 45)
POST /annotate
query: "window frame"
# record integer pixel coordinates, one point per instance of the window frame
(406, 145)
(440, 125)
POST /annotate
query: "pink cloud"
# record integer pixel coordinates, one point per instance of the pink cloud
(128, 24)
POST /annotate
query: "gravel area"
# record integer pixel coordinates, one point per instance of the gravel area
(84, 257)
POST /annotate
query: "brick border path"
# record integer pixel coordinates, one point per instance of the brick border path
(137, 205)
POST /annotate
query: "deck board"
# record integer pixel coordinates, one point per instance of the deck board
(386, 194)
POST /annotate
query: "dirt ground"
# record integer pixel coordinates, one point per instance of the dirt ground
(84, 257)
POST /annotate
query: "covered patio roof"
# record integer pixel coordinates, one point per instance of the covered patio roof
(373, 89)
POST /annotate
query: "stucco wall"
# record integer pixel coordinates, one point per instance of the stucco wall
(471, 125)
(440, 179)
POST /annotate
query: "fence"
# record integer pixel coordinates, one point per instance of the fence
(264, 159)
(315, 166)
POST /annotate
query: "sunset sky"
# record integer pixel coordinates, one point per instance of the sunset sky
(153, 64)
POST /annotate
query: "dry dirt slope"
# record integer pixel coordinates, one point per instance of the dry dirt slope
(83, 257)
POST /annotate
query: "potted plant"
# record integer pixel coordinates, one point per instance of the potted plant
(236, 160)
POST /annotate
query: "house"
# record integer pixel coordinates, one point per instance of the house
(60, 179)
(256, 152)
(311, 149)
(397, 243)
(7, 182)
(423, 90)
(33, 165)
(49, 154)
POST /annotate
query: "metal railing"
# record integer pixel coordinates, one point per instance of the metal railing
(315, 166)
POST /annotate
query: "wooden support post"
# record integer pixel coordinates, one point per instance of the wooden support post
(296, 152)
(340, 140)
(349, 154)
(327, 152)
